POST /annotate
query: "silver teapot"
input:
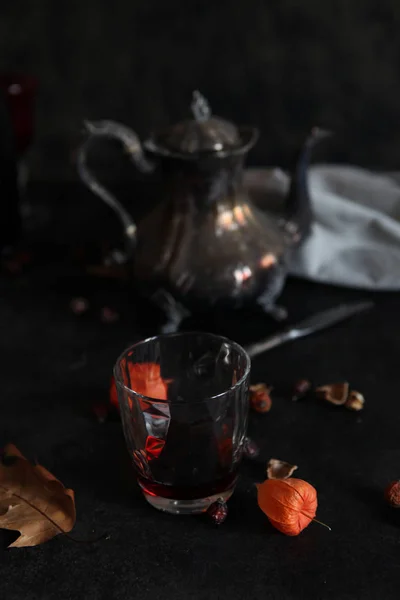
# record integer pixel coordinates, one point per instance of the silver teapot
(205, 245)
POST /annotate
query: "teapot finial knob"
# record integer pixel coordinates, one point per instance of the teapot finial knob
(200, 108)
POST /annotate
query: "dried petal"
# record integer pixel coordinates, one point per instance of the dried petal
(79, 306)
(392, 494)
(301, 389)
(335, 393)
(218, 511)
(279, 469)
(101, 411)
(290, 504)
(260, 399)
(355, 401)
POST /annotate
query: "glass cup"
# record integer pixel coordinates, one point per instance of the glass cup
(184, 402)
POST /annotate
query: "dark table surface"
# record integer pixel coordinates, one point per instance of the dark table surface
(55, 365)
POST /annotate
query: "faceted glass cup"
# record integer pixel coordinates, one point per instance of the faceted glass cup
(184, 402)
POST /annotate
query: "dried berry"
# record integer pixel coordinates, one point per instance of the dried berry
(79, 306)
(335, 393)
(250, 448)
(108, 315)
(279, 469)
(355, 401)
(392, 494)
(218, 511)
(260, 399)
(301, 389)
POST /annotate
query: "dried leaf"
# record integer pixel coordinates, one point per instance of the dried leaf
(279, 469)
(335, 393)
(355, 401)
(33, 501)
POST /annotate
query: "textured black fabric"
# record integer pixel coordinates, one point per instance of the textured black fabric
(284, 66)
(54, 365)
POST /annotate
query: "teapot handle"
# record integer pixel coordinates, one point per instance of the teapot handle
(132, 145)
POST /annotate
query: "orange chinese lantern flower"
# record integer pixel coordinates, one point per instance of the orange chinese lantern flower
(290, 504)
(145, 379)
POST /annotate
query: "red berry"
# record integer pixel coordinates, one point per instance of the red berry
(108, 315)
(392, 494)
(260, 399)
(218, 511)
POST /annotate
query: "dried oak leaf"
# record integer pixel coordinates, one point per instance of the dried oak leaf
(279, 469)
(32, 501)
(335, 393)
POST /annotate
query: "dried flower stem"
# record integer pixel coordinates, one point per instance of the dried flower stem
(323, 524)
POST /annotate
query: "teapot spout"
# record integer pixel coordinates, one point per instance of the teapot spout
(298, 210)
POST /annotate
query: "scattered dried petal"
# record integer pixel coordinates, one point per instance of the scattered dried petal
(108, 315)
(260, 399)
(301, 389)
(79, 306)
(355, 401)
(290, 504)
(218, 511)
(335, 393)
(101, 411)
(392, 494)
(279, 469)
(250, 448)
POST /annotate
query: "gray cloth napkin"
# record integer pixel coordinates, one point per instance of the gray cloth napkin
(355, 239)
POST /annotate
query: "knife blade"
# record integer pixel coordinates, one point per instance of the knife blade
(321, 320)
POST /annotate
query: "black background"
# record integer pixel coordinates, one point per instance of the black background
(283, 65)
(280, 65)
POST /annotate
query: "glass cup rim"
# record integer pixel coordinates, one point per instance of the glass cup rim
(232, 343)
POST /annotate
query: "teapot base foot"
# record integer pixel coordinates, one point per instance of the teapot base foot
(277, 312)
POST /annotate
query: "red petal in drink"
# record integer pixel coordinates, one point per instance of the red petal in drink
(145, 379)
(154, 447)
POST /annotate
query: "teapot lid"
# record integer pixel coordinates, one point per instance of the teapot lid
(203, 133)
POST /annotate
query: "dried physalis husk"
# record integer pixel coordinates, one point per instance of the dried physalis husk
(279, 469)
(335, 393)
(355, 401)
(260, 399)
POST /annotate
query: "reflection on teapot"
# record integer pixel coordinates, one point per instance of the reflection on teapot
(205, 245)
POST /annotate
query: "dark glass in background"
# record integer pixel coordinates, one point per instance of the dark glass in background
(19, 93)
